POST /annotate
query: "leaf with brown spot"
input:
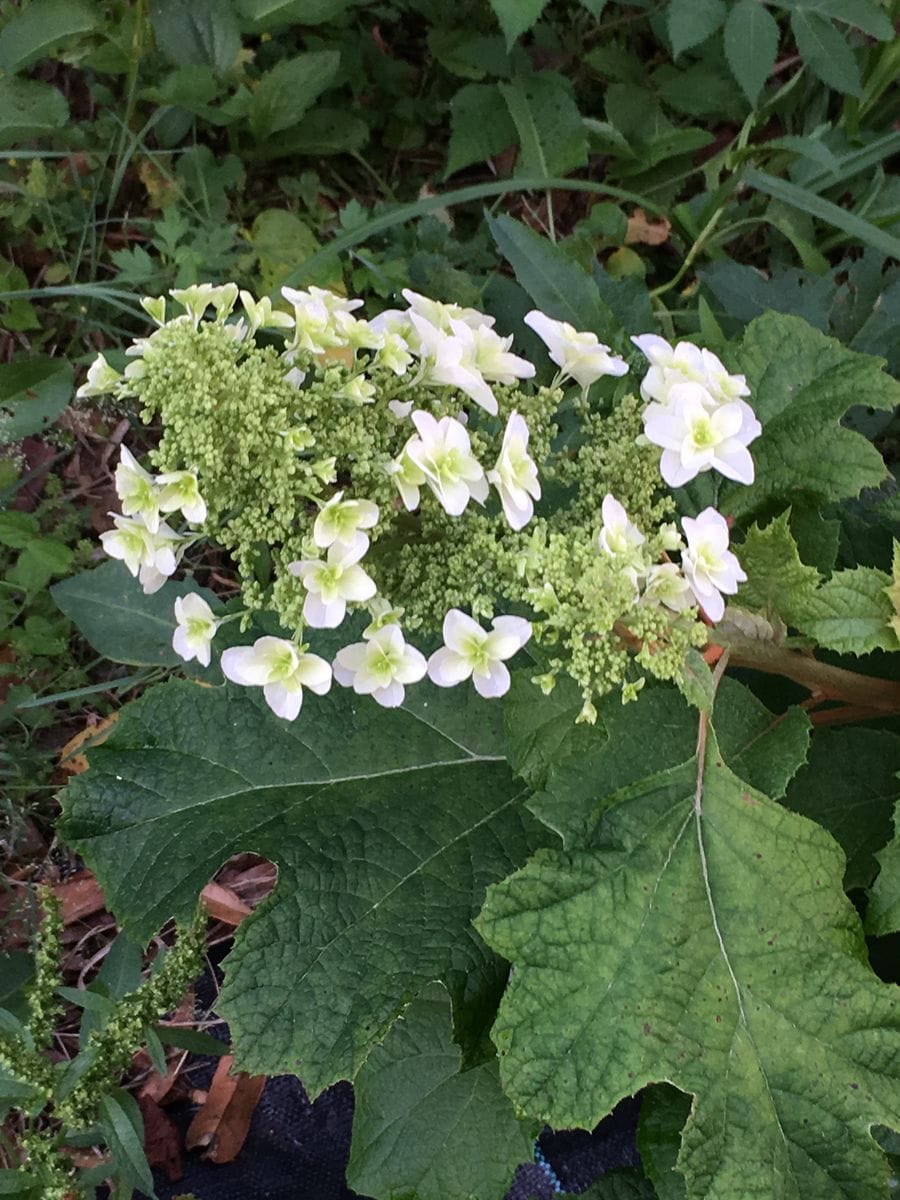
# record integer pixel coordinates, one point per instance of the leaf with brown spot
(642, 231)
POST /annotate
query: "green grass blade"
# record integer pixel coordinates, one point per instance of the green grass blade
(824, 210)
(478, 191)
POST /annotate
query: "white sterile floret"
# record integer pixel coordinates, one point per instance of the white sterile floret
(332, 583)
(489, 354)
(196, 629)
(137, 490)
(697, 435)
(515, 475)
(341, 523)
(619, 537)
(359, 390)
(470, 651)
(261, 314)
(101, 379)
(155, 307)
(393, 352)
(440, 315)
(317, 315)
(197, 299)
(579, 355)
(671, 365)
(180, 490)
(711, 568)
(406, 475)
(380, 666)
(281, 669)
(666, 585)
(443, 453)
(150, 555)
(449, 360)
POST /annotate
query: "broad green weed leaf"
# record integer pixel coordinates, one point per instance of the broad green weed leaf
(849, 785)
(826, 51)
(386, 827)
(802, 384)
(265, 14)
(120, 622)
(716, 950)
(751, 44)
(883, 913)
(778, 582)
(850, 613)
(41, 26)
(289, 88)
(480, 126)
(556, 284)
(861, 14)
(422, 1125)
(202, 33)
(691, 22)
(517, 16)
(552, 136)
(33, 393)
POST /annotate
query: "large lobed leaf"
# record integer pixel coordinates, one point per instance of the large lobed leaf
(386, 827)
(699, 935)
(423, 1126)
(802, 385)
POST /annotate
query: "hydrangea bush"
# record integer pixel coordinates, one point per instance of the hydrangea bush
(539, 848)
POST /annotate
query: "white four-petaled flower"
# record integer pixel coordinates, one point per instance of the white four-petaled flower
(341, 523)
(196, 629)
(380, 666)
(151, 556)
(711, 568)
(579, 355)
(515, 474)
(471, 651)
(280, 669)
(332, 583)
(696, 435)
(442, 452)
(620, 538)
(696, 413)
(180, 490)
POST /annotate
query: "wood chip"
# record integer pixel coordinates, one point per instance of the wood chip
(222, 1124)
(80, 897)
(223, 904)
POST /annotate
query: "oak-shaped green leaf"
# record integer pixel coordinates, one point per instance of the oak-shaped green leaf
(423, 1126)
(778, 582)
(850, 613)
(599, 765)
(704, 938)
(883, 913)
(802, 384)
(386, 827)
(849, 784)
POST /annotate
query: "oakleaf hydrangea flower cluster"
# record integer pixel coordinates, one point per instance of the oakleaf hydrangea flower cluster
(407, 467)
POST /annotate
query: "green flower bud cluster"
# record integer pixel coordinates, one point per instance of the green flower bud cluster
(420, 413)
